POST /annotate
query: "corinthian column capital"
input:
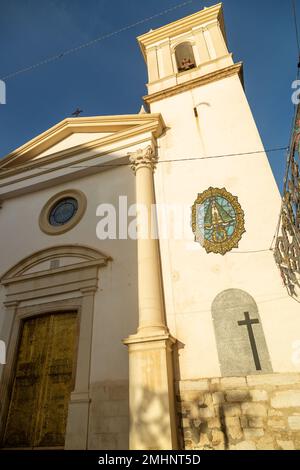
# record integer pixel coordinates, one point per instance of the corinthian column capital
(143, 158)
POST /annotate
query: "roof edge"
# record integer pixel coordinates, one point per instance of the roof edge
(69, 126)
(203, 16)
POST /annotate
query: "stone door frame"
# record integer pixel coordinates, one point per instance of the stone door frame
(29, 293)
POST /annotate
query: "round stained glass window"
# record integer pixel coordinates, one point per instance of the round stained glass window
(63, 211)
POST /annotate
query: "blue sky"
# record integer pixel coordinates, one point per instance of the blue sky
(261, 33)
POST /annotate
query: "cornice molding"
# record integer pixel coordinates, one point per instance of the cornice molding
(87, 257)
(201, 18)
(133, 124)
(26, 175)
(196, 82)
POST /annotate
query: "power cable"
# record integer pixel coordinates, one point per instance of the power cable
(93, 41)
(183, 159)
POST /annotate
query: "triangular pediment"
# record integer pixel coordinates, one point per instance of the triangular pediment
(73, 135)
(71, 141)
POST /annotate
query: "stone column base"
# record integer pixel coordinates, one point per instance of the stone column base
(151, 393)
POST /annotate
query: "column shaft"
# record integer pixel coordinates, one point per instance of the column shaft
(151, 311)
(151, 381)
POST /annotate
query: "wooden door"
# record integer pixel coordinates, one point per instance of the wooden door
(44, 377)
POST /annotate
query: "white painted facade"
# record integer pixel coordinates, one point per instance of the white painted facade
(73, 155)
(224, 126)
(192, 278)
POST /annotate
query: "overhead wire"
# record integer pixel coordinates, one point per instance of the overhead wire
(72, 50)
(290, 147)
(113, 33)
(113, 165)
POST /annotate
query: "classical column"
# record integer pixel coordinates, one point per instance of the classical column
(151, 309)
(151, 382)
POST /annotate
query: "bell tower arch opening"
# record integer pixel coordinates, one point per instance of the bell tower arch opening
(184, 55)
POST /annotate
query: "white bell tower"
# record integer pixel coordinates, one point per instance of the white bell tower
(210, 153)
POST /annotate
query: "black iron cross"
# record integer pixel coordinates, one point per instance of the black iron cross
(248, 323)
(77, 112)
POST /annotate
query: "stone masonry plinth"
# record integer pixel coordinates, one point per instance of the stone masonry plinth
(240, 413)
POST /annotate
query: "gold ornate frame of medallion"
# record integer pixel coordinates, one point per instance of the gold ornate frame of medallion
(213, 246)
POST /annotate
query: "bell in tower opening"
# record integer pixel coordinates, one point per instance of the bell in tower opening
(185, 57)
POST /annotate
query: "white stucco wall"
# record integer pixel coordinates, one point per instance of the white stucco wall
(193, 278)
(116, 299)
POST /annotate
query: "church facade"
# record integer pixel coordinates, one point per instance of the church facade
(183, 336)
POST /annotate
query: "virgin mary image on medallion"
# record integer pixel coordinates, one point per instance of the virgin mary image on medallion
(217, 220)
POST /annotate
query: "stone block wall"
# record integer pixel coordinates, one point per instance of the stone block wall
(109, 416)
(240, 413)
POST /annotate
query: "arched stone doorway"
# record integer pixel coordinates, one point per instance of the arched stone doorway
(56, 285)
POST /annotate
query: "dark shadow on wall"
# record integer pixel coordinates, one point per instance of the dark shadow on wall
(150, 420)
(240, 418)
(205, 426)
(178, 346)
